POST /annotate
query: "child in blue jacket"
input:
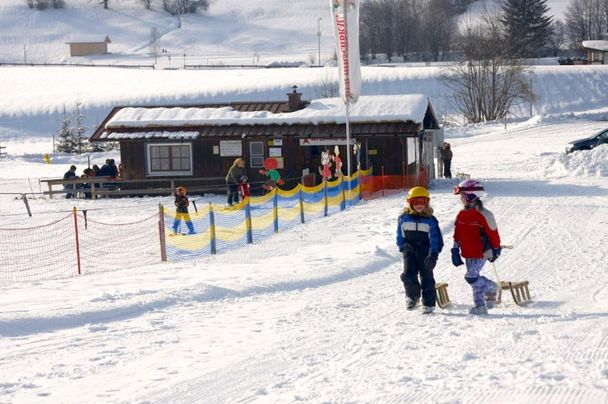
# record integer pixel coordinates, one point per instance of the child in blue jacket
(419, 239)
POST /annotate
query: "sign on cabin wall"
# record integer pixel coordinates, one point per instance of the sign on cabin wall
(231, 148)
(324, 141)
(274, 152)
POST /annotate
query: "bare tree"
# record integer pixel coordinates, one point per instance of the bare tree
(586, 19)
(485, 85)
(407, 27)
(328, 83)
(438, 28)
(30, 3)
(105, 3)
(147, 4)
(557, 38)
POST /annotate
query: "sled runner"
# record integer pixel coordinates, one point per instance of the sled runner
(443, 299)
(519, 292)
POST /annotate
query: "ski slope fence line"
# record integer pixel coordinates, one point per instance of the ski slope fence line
(76, 245)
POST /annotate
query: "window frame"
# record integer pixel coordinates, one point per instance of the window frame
(167, 173)
(253, 156)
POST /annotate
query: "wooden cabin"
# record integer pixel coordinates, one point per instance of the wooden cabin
(89, 45)
(596, 51)
(394, 134)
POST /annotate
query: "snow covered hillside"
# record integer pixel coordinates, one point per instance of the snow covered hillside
(34, 97)
(232, 31)
(316, 314)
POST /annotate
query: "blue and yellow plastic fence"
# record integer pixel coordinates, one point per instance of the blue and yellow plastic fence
(219, 228)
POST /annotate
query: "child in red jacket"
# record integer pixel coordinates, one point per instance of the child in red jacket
(476, 238)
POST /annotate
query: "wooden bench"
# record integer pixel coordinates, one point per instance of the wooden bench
(443, 299)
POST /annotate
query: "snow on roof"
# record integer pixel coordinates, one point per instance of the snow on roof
(109, 136)
(89, 39)
(596, 45)
(377, 108)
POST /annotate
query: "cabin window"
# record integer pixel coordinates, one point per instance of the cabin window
(169, 159)
(256, 154)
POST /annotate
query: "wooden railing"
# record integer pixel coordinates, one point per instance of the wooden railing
(106, 186)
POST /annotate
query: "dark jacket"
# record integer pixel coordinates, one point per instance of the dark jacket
(446, 153)
(181, 203)
(234, 174)
(419, 234)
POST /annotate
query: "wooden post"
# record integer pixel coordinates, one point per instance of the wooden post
(93, 193)
(161, 233)
(343, 203)
(77, 239)
(212, 230)
(50, 190)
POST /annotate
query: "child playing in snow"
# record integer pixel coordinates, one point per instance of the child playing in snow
(419, 239)
(476, 238)
(181, 211)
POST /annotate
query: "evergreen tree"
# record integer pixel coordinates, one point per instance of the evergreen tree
(65, 135)
(79, 139)
(526, 26)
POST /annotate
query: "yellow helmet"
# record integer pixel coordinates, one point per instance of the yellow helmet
(418, 192)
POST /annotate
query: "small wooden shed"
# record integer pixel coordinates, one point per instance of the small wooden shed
(394, 134)
(89, 45)
(596, 51)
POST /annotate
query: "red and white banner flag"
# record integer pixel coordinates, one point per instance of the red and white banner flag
(345, 15)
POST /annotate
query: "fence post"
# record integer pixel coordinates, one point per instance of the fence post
(301, 205)
(212, 230)
(382, 177)
(275, 210)
(343, 203)
(77, 239)
(248, 221)
(325, 197)
(161, 233)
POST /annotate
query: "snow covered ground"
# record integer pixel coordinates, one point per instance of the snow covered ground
(316, 314)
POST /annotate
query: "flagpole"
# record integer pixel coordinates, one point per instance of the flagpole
(347, 97)
(347, 144)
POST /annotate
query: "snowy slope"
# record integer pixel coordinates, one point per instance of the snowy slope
(316, 314)
(232, 31)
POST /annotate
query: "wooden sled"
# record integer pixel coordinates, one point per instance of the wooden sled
(519, 292)
(443, 299)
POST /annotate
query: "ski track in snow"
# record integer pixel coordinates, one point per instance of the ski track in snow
(327, 323)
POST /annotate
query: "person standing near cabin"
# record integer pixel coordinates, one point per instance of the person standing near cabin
(181, 210)
(70, 174)
(476, 238)
(420, 241)
(233, 178)
(446, 157)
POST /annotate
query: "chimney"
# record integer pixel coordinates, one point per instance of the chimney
(294, 100)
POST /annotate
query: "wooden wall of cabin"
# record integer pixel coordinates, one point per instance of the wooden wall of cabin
(389, 152)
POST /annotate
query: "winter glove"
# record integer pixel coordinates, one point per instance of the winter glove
(430, 261)
(495, 254)
(456, 260)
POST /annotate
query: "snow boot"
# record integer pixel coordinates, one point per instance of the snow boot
(428, 310)
(410, 304)
(491, 297)
(478, 310)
